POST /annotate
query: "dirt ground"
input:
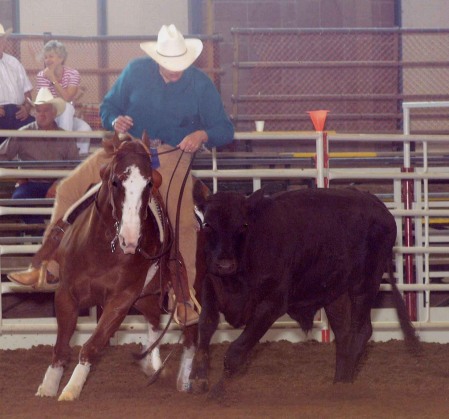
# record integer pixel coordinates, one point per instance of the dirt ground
(282, 380)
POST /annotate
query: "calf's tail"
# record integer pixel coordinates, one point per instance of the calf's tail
(411, 339)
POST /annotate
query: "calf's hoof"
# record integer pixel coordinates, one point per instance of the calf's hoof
(199, 385)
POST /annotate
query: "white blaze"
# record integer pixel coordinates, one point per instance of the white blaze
(130, 226)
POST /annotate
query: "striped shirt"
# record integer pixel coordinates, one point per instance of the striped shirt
(70, 77)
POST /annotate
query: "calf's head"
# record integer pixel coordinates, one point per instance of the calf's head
(227, 220)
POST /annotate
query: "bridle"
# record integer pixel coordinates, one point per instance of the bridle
(170, 239)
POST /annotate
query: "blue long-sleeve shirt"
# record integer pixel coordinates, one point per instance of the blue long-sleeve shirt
(168, 111)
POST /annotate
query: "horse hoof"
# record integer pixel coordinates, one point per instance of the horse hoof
(67, 396)
(43, 392)
(184, 387)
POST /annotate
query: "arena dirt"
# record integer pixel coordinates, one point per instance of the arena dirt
(281, 380)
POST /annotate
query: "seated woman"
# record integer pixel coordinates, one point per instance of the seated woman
(63, 82)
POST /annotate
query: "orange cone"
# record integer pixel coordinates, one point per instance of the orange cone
(318, 118)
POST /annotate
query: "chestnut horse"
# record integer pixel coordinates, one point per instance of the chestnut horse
(111, 257)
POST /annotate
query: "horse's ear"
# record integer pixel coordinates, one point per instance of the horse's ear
(111, 142)
(146, 139)
(156, 177)
(104, 173)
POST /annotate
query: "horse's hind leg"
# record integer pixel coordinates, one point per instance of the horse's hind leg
(67, 315)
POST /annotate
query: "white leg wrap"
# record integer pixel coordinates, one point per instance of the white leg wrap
(73, 388)
(183, 382)
(50, 384)
(152, 362)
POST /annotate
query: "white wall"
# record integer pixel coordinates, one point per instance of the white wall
(61, 17)
(145, 17)
(79, 17)
(429, 14)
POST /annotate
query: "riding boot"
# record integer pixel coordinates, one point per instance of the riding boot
(37, 273)
(185, 314)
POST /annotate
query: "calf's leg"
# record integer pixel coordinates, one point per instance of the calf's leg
(207, 326)
(350, 321)
(265, 314)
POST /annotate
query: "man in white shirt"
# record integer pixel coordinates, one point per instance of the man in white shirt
(15, 88)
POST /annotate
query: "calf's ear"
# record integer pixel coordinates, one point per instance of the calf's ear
(200, 193)
(256, 202)
(255, 198)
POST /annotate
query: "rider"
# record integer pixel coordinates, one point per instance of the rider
(171, 100)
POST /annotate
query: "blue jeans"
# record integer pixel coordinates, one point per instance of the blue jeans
(9, 121)
(29, 190)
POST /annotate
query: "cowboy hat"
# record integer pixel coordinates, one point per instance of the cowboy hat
(44, 96)
(171, 50)
(3, 32)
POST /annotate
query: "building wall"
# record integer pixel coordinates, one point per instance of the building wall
(134, 17)
(58, 17)
(229, 14)
(146, 16)
(421, 14)
(80, 17)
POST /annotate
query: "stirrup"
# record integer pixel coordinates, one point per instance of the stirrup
(180, 321)
(192, 303)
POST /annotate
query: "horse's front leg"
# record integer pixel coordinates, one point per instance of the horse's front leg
(66, 315)
(149, 307)
(111, 319)
(152, 361)
(185, 368)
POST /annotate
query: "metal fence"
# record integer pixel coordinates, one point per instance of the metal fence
(422, 266)
(361, 75)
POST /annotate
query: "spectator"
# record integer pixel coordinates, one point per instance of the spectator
(63, 82)
(40, 148)
(15, 88)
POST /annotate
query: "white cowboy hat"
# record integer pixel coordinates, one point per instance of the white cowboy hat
(44, 96)
(171, 50)
(3, 32)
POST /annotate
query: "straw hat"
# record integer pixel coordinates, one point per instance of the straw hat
(3, 32)
(171, 50)
(44, 96)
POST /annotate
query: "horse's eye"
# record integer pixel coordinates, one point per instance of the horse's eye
(115, 182)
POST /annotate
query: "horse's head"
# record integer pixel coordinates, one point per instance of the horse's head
(130, 180)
